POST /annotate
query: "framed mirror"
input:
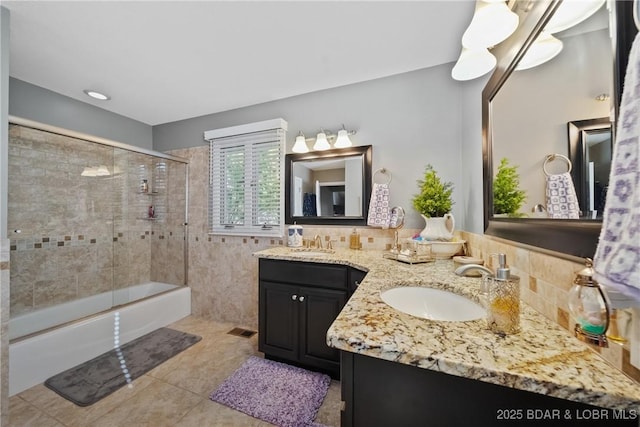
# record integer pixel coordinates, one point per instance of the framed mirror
(590, 150)
(331, 187)
(525, 114)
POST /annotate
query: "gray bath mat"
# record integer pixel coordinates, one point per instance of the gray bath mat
(89, 382)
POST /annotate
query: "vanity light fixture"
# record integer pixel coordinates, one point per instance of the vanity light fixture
(492, 23)
(323, 141)
(96, 95)
(473, 63)
(572, 12)
(343, 141)
(300, 146)
(545, 48)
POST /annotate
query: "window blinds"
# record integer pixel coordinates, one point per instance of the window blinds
(246, 183)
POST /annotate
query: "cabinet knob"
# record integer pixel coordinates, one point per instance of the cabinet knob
(301, 299)
(356, 283)
(294, 297)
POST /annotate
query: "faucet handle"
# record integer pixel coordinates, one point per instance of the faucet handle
(330, 244)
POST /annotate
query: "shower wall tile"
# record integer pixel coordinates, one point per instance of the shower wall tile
(83, 235)
(90, 284)
(55, 291)
(21, 298)
(5, 268)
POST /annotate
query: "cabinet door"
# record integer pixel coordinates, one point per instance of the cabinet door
(318, 310)
(355, 278)
(278, 320)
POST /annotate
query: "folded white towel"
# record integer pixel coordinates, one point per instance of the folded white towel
(379, 206)
(617, 259)
(562, 202)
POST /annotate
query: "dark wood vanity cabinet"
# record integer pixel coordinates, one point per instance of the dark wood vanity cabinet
(298, 301)
(381, 393)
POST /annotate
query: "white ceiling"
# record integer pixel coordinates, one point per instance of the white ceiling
(162, 61)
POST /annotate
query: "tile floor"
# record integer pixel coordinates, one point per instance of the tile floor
(173, 394)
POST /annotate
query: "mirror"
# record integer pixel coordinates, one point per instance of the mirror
(590, 150)
(527, 115)
(328, 187)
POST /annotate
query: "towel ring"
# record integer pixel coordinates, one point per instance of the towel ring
(552, 157)
(382, 171)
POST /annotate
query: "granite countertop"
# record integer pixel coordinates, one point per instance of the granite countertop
(543, 358)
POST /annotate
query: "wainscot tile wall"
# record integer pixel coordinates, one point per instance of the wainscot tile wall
(4, 330)
(223, 273)
(75, 235)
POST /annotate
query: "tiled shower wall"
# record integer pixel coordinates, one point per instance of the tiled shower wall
(223, 273)
(75, 235)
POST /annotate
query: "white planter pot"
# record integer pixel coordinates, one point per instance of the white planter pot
(438, 228)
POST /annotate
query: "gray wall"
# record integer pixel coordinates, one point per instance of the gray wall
(32, 102)
(531, 118)
(472, 153)
(4, 240)
(4, 111)
(410, 119)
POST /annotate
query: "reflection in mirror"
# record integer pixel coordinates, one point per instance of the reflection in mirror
(531, 110)
(328, 187)
(574, 237)
(590, 148)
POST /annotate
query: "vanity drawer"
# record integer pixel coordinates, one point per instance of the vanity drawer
(304, 273)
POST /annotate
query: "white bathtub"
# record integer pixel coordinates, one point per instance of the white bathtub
(34, 359)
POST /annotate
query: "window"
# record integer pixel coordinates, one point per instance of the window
(246, 168)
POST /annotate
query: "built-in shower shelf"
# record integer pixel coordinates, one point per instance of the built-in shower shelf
(148, 219)
(153, 193)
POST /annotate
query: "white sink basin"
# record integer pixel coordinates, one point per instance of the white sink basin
(311, 252)
(433, 304)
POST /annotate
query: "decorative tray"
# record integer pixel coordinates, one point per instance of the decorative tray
(409, 259)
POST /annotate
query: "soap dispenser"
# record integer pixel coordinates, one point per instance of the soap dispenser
(503, 311)
(354, 240)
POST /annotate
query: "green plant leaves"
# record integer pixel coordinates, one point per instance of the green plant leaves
(507, 196)
(434, 199)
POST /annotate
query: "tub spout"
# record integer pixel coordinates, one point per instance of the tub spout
(461, 271)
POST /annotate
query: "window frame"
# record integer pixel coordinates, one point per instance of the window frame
(249, 137)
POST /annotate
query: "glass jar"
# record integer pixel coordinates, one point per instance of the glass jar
(589, 306)
(503, 309)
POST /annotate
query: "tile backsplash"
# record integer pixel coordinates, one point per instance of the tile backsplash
(545, 282)
(223, 274)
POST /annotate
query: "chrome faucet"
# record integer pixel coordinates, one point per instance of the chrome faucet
(318, 240)
(487, 275)
(461, 271)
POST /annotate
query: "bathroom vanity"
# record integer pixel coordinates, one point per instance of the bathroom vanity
(398, 369)
(298, 301)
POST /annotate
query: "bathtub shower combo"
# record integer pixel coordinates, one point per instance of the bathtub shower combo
(98, 248)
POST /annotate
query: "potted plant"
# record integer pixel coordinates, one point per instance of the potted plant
(507, 196)
(434, 205)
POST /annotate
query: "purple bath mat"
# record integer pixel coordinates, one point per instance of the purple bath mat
(275, 392)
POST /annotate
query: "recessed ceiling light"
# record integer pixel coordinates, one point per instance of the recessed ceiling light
(97, 95)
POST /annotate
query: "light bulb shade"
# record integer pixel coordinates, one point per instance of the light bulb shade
(472, 64)
(491, 24)
(572, 12)
(545, 48)
(300, 146)
(343, 140)
(321, 142)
